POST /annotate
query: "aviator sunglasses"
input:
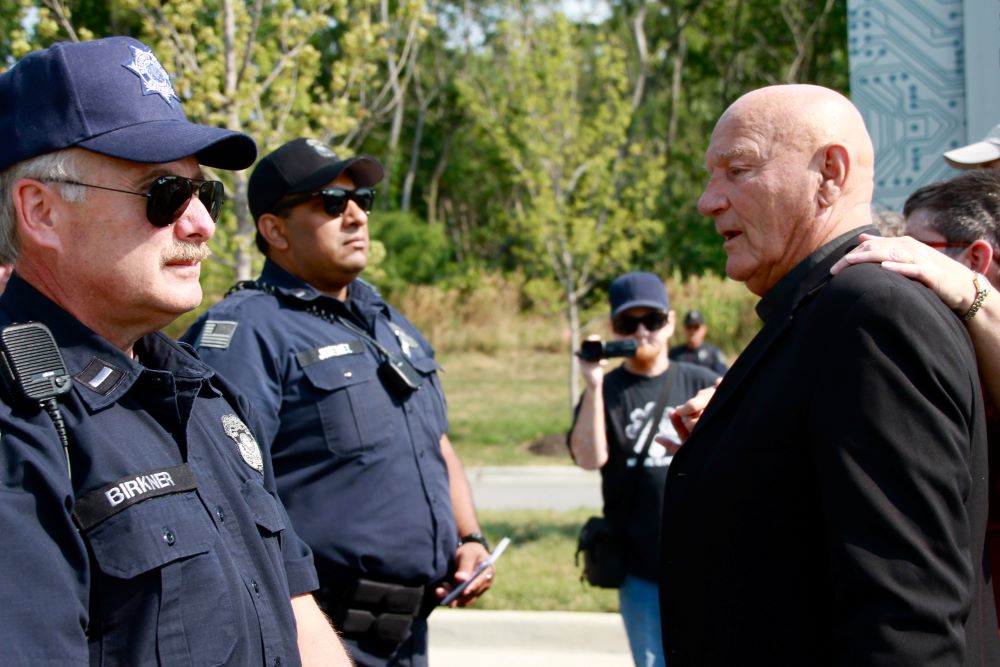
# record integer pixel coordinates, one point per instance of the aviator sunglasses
(626, 325)
(335, 200)
(168, 195)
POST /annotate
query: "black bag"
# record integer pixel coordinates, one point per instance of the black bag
(603, 555)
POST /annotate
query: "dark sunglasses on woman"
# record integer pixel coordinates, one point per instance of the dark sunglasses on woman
(168, 196)
(335, 200)
(626, 325)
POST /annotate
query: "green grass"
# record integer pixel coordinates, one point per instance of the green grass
(498, 404)
(537, 572)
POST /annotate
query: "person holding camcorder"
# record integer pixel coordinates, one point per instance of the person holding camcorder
(613, 431)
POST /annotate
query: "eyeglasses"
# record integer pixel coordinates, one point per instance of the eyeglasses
(168, 196)
(946, 244)
(335, 200)
(626, 325)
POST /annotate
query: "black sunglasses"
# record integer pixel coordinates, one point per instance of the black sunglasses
(168, 196)
(626, 325)
(335, 200)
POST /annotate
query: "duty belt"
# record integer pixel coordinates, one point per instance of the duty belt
(374, 609)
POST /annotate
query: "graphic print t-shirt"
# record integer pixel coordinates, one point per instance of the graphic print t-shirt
(629, 400)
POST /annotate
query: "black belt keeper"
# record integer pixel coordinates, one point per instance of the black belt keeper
(374, 609)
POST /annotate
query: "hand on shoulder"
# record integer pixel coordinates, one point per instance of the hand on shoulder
(950, 280)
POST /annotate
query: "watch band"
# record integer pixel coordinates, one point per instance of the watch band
(475, 537)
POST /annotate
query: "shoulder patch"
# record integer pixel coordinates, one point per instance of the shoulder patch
(100, 376)
(241, 435)
(217, 334)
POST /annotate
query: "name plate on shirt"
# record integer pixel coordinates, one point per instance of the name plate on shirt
(107, 501)
(309, 357)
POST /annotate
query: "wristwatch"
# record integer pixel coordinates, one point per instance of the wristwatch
(475, 537)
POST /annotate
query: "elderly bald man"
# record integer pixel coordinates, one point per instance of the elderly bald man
(829, 507)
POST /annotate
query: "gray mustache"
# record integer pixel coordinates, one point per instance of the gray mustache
(187, 252)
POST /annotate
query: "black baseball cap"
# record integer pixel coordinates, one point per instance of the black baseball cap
(110, 96)
(302, 165)
(638, 289)
(694, 319)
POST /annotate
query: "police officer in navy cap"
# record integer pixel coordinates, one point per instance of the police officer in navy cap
(140, 517)
(351, 405)
(694, 349)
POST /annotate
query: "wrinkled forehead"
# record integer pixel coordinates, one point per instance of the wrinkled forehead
(737, 136)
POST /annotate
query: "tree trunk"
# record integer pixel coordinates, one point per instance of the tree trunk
(411, 172)
(245, 229)
(573, 316)
(434, 185)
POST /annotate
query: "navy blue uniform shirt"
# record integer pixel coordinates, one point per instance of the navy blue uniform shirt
(169, 547)
(359, 469)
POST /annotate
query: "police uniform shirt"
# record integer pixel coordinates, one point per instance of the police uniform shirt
(359, 469)
(706, 355)
(169, 546)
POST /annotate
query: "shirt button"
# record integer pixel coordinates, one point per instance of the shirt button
(277, 662)
(220, 514)
(255, 587)
(168, 537)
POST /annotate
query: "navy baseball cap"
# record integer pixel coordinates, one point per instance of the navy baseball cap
(110, 96)
(302, 165)
(637, 290)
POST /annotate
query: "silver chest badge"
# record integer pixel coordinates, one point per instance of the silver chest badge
(150, 71)
(241, 435)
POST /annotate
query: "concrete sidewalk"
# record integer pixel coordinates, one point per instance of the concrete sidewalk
(471, 638)
(535, 487)
(480, 638)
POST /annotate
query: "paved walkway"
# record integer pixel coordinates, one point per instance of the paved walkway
(470, 638)
(479, 638)
(535, 487)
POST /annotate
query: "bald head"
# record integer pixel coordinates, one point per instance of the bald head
(792, 167)
(809, 118)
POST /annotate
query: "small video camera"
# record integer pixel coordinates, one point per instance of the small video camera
(595, 350)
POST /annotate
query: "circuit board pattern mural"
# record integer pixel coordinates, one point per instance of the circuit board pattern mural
(907, 78)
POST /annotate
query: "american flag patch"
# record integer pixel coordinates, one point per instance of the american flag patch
(217, 334)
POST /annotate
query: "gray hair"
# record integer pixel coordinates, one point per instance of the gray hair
(60, 165)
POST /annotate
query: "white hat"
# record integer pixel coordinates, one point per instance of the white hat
(974, 155)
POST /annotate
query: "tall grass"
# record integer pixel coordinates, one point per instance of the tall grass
(488, 315)
(538, 572)
(727, 305)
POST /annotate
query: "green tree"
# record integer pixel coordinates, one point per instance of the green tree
(556, 100)
(275, 70)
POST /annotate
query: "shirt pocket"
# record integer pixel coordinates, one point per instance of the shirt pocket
(161, 586)
(269, 519)
(354, 408)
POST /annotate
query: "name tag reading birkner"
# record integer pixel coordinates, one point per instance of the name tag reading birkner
(108, 500)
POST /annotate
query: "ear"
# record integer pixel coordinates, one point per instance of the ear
(978, 256)
(272, 228)
(39, 210)
(834, 166)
